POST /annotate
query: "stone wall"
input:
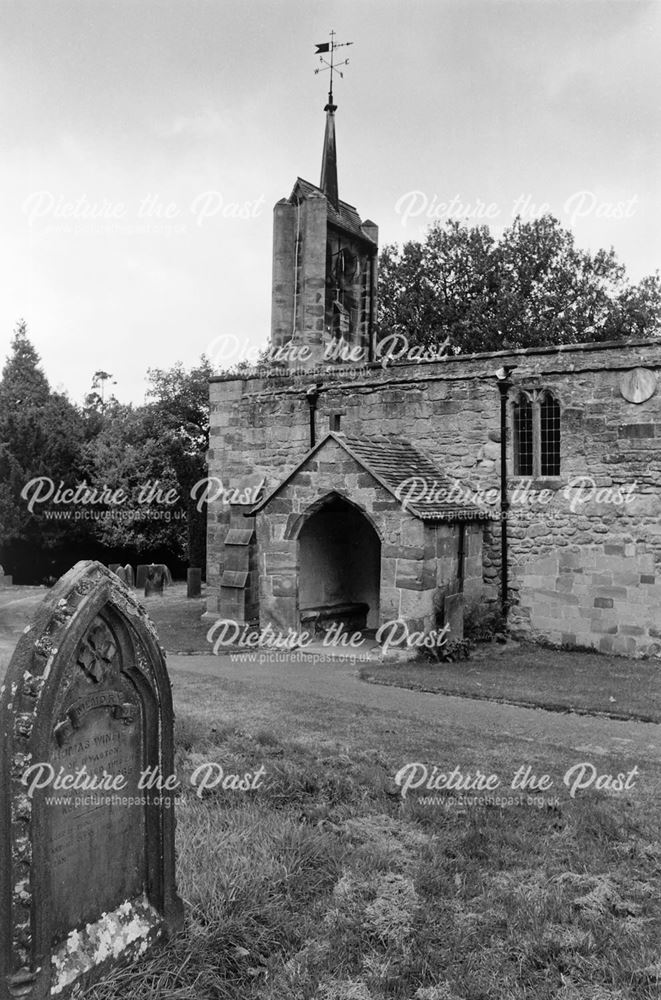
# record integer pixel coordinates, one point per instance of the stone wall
(419, 561)
(568, 558)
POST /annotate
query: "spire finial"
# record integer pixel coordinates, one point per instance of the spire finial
(332, 66)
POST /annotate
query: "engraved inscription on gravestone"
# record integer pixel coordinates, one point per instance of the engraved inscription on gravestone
(100, 730)
(86, 872)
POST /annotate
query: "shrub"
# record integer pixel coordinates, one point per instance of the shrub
(483, 622)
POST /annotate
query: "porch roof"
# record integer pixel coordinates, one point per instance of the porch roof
(411, 478)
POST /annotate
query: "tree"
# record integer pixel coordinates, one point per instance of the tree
(533, 287)
(155, 454)
(23, 381)
(128, 463)
(95, 404)
(180, 406)
(41, 436)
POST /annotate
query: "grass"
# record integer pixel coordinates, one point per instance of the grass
(178, 620)
(326, 884)
(534, 675)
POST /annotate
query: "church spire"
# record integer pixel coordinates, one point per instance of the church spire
(328, 183)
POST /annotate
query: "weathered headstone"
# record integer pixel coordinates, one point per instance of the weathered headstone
(154, 581)
(120, 573)
(130, 578)
(143, 570)
(87, 877)
(194, 582)
(5, 579)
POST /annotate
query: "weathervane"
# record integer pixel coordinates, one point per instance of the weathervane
(332, 65)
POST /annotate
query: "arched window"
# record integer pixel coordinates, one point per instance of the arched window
(523, 437)
(536, 439)
(549, 425)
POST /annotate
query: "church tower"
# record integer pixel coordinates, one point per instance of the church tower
(324, 266)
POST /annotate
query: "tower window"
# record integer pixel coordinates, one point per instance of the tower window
(335, 421)
(536, 445)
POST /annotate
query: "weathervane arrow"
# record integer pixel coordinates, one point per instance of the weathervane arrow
(332, 66)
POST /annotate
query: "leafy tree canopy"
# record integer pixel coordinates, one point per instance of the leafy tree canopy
(180, 405)
(127, 455)
(532, 287)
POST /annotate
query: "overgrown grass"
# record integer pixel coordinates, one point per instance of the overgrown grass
(326, 884)
(527, 674)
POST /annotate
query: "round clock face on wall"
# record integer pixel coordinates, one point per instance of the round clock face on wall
(638, 385)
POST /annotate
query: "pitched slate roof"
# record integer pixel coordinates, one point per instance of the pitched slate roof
(411, 478)
(345, 216)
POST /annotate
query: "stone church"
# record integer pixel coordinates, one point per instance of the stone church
(377, 482)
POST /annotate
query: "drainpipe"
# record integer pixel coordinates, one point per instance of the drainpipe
(370, 324)
(504, 385)
(312, 396)
(461, 556)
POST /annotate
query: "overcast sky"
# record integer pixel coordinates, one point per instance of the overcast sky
(131, 108)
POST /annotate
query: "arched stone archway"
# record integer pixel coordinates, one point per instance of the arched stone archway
(339, 559)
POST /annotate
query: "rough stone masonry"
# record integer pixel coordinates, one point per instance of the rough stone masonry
(406, 523)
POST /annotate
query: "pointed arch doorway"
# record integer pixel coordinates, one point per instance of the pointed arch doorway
(339, 559)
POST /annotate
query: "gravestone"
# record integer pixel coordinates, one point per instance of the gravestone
(86, 878)
(155, 580)
(120, 573)
(5, 580)
(113, 567)
(143, 570)
(194, 582)
(130, 578)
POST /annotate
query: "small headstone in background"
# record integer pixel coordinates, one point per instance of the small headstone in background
(141, 575)
(154, 581)
(120, 573)
(5, 580)
(86, 884)
(194, 582)
(130, 578)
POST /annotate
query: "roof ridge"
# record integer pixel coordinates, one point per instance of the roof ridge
(393, 462)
